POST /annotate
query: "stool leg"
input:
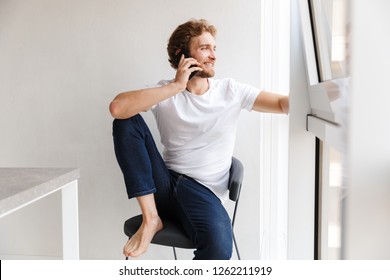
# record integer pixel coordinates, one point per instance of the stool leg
(236, 246)
(174, 253)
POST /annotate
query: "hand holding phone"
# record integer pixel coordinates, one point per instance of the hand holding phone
(186, 55)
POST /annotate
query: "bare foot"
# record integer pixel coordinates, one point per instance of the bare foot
(139, 242)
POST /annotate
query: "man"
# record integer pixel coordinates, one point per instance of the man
(197, 119)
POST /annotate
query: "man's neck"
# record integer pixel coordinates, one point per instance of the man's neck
(198, 85)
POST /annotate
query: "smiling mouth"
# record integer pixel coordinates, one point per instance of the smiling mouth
(209, 65)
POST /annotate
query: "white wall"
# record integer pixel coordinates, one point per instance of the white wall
(61, 63)
(275, 75)
(366, 226)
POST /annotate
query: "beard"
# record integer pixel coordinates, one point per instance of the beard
(206, 73)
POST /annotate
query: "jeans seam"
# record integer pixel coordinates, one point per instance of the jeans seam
(182, 177)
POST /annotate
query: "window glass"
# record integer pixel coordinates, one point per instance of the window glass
(335, 200)
(331, 199)
(331, 30)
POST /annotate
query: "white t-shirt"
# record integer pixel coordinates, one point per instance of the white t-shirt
(198, 131)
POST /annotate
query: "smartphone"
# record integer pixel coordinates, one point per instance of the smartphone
(186, 55)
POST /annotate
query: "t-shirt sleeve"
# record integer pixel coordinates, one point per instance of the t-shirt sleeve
(246, 93)
(159, 84)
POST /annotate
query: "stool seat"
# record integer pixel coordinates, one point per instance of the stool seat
(172, 235)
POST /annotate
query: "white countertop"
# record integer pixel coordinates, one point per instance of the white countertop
(21, 186)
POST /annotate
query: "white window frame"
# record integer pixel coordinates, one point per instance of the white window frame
(328, 99)
(328, 118)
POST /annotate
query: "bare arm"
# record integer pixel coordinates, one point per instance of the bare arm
(130, 103)
(271, 103)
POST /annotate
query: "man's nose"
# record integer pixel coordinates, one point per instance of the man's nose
(213, 55)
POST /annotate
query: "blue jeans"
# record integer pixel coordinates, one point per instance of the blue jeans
(177, 196)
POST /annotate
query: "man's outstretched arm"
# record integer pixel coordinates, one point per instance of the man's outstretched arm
(271, 103)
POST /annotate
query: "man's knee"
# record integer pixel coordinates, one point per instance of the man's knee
(126, 126)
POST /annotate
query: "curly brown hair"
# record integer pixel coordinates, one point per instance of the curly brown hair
(180, 38)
